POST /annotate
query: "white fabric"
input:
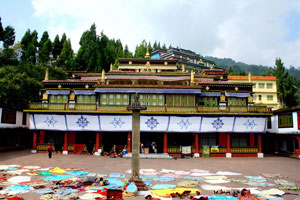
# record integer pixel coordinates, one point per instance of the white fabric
(227, 173)
(217, 124)
(217, 181)
(31, 167)
(167, 171)
(184, 124)
(214, 187)
(83, 122)
(50, 122)
(250, 124)
(199, 171)
(202, 174)
(115, 122)
(215, 177)
(154, 123)
(19, 179)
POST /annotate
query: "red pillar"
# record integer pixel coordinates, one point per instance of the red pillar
(222, 139)
(129, 142)
(252, 139)
(259, 143)
(298, 138)
(97, 141)
(42, 136)
(228, 143)
(34, 140)
(66, 142)
(165, 150)
(196, 142)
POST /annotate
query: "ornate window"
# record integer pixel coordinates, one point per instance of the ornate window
(285, 121)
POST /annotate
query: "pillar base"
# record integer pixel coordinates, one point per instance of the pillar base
(96, 154)
(33, 151)
(299, 156)
(65, 152)
(260, 155)
(196, 155)
(228, 155)
(276, 152)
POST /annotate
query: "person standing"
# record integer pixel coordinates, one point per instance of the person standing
(50, 150)
(142, 148)
(154, 146)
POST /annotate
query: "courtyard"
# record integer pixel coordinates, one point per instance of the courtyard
(283, 167)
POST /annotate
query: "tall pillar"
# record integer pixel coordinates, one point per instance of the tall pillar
(196, 154)
(228, 150)
(42, 136)
(66, 143)
(165, 149)
(129, 142)
(34, 142)
(252, 139)
(97, 144)
(259, 154)
(298, 138)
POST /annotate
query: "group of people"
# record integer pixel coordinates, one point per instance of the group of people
(145, 148)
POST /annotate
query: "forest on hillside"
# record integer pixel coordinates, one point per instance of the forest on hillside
(23, 63)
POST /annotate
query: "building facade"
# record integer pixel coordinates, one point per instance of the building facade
(264, 89)
(284, 130)
(185, 112)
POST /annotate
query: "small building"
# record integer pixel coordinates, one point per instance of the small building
(14, 129)
(283, 131)
(264, 89)
(185, 111)
(186, 59)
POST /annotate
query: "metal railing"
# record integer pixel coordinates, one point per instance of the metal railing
(164, 108)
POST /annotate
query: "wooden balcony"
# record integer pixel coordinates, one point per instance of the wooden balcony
(162, 109)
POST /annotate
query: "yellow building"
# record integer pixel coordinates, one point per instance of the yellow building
(264, 89)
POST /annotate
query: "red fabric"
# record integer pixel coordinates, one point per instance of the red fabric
(78, 148)
(15, 198)
(3, 178)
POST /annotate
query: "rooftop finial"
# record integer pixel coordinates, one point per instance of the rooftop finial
(147, 56)
(111, 67)
(47, 75)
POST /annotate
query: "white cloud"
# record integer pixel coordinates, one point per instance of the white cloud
(247, 31)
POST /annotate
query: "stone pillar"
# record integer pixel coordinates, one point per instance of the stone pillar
(42, 136)
(129, 142)
(66, 143)
(34, 142)
(97, 144)
(165, 149)
(252, 139)
(298, 138)
(228, 150)
(259, 154)
(196, 154)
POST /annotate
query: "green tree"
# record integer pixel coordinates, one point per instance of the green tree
(127, 53)
(62, 41)
(45, 51)
(89, 53)
(56, 47)
(141, 50)
(29, 47)
(66, 57)
(8, 37)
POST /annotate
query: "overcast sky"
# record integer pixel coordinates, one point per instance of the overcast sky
(250, 31)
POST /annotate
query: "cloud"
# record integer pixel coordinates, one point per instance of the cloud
(249, 31)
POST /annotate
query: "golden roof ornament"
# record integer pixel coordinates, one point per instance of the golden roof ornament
(250, 77)
(192, 77)
(147, 56)
(111, 67)
(86, 86)
(103, 76)
(59, 86)
(183, 68)
(47, 75)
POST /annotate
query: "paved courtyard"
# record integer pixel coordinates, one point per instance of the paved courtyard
(289, 168)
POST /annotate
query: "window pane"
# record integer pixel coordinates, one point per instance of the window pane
(270, 85)
(270, 97)
(261, 85)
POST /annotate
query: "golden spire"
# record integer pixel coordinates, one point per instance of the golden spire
(111, 67)
(47, 75)
(192, 77)
(147, 56)
(249, 77)
(103, 76)
(183, 68)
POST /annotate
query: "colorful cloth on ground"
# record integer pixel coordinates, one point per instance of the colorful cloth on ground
(19, 179)
(256, 178)
(188, 183)
(31, 167)
(217, 181)
(18, 188)
(116, 182)
(215, 177)
(117, 175)
(199, 171)
(44, 191)
(57, 170)
(65, 192)
(222, 198)
(202, 174)
(167, 192)
(44, 174)
(56, 177)
(286, 185)
(164, 179)
(131, 188)
(77, 172)
(214, 187)
(163, 186)
(192, 178)
(227, 173)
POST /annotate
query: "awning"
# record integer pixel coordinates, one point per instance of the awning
(58, 92)
(147, 91)
(210, 94)
(230, 94)
(84, 92)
